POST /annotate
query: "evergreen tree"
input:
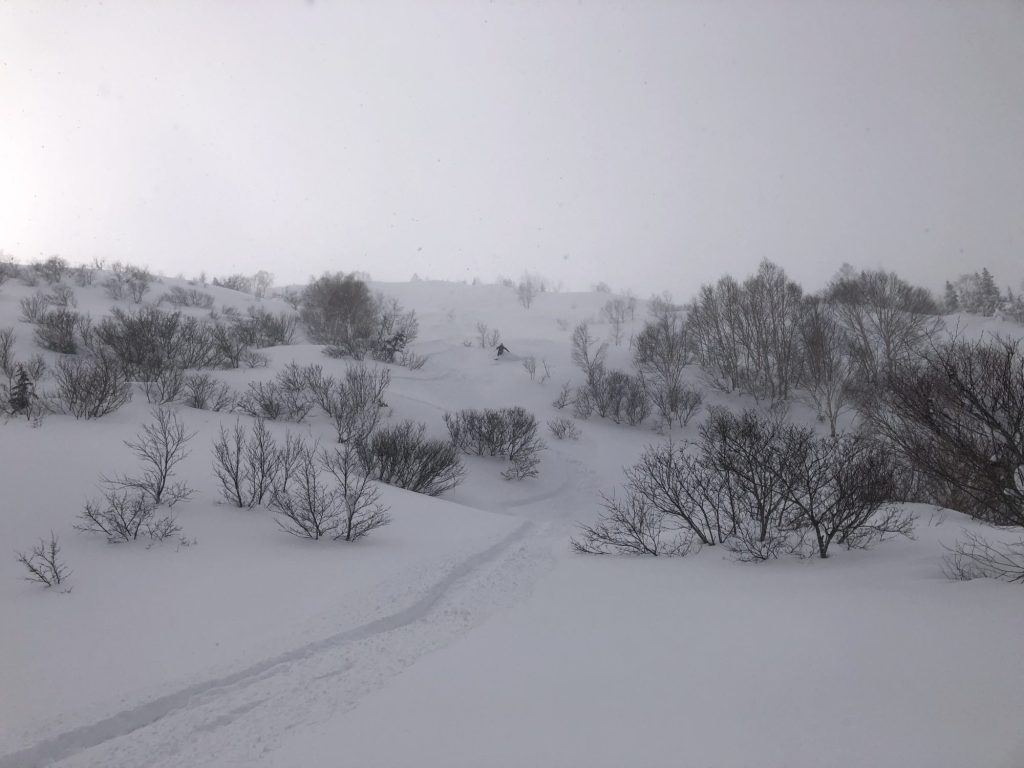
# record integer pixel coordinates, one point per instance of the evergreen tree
(989, 294)
(950, 301)
(21, 394)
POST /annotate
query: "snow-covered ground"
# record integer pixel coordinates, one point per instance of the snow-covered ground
(467, 632)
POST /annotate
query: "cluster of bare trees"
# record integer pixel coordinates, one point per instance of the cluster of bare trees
(757, 485)
(508, 432)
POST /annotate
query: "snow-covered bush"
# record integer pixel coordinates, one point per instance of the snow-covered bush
(403, 455)
(509, 432)
(275, 401)
(92, 388)
(44, 564)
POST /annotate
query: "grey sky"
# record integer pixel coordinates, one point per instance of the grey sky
(652, 145)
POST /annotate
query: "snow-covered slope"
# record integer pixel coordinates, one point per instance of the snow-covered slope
(467, 632)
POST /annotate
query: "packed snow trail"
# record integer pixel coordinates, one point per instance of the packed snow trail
(184, 716)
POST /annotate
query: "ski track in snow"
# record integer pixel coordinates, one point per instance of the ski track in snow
(236, 718)
(264, 691)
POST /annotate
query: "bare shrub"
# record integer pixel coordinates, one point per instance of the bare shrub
(62, 296)
(411, 360)
(261, 328)
(396, 329)
(188, 297)
(841, 490)
(887, 319)
(166, 386)
(565, 396)
(123, 516)
(280, 399)
(587, 354)
(252, 359)
(56, 331)
(509, 432)
(339, 311)
(688, 402)
(361, 510)
(564, 429)
(44, 564)
(956, 416)
(482, 330)
(52, 270)
(972, 557)
(236, 282)
(614, 312)
(7, 339)
(828, 369)
(530, 366)
(90, 389)
(660, 353)
(84, 275)
(355, 403)
(248, 467)
(203, 391)
(161, 447)
(314, 508)
(630, 526)
(34, 307)
(403, 455)
(528, 288)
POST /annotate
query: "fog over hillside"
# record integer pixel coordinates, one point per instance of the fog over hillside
(509, 384)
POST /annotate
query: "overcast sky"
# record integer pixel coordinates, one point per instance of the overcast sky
(652, 145)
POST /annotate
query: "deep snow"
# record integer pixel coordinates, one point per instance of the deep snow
(467, 632)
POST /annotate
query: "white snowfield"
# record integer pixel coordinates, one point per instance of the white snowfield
(467, 632)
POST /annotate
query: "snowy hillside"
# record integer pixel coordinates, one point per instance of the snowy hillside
(467, 632)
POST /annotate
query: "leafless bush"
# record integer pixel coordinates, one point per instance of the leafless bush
(339, 311)
(614, 312)
(956, 417)
(161, 447)
(356, 403)
(402, 455)
(271, 400)
(44, 564)
(587, 354)
(188, 297)
(660, 353)
(565, 396)
(411, 360)
(617, 395)
(630, 526)
(841, 490)
(147, 340)
(528, 288)
(361, 510)
(247, 467)
(7, 339)
(166, 385)
(972, 557)
(84, 275)
(494, 338)
(56, 331)
(203, 391)
(123, 516)
(530, 365)
(34, 307)
(564, 429)
(260, 328)
(236, 282)
(52, 270)
(313, 508)
(509, 432)
(396, 329)
(482, 330)
(62, 296)
(887, 319)
(828, 369)
(687, 403)
(250, 358)
(90, 389)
